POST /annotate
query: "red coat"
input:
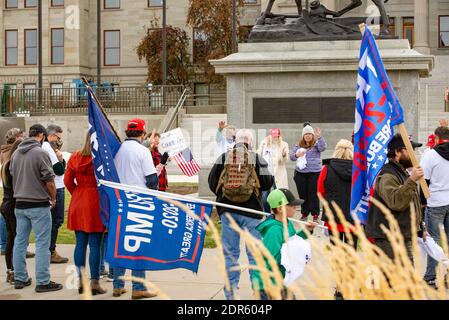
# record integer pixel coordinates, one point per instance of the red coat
(84, 209)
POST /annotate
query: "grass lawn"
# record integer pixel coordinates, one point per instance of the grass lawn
(65, 236)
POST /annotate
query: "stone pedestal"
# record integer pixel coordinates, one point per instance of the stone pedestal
(282, 85)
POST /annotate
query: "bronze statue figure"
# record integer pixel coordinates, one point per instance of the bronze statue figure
(317, 9)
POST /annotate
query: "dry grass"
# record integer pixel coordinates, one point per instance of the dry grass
(363, 274)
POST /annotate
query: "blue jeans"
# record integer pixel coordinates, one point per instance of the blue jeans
(137, 286)
(3, 233)
(94, 241)
(104, 247)
(434, 218)
(57, 215)
(38, 219)
(231, 247)
(265, 194)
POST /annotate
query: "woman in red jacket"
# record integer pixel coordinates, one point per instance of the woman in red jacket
(84, 213)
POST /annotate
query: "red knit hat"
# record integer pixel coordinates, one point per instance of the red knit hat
(275, 133)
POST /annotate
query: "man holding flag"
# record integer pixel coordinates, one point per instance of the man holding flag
(134, 165)
(396, 189)
(378, 110)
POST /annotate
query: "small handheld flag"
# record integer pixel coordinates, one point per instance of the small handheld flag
(186, 163)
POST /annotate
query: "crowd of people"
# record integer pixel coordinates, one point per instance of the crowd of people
(265, 181)
(35, 177)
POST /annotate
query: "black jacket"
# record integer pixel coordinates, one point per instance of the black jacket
(255, 203)
(338, 187)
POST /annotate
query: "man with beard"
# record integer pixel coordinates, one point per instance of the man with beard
(397, 190)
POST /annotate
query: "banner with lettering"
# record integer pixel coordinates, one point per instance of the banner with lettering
(147, 233)
(173, 142)
(377, 110)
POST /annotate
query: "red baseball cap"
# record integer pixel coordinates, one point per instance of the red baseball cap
(275, 133)
(136, 125)
(431, 141)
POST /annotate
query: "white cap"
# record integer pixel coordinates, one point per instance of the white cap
(307, 129)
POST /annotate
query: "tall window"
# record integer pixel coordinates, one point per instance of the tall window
(112, 48)
(30, 3)
(444, 31)
(112, 4)
(56, 89)
(31, 46)
(408, 26)
(250, 1)
(200, 46)
(11, 4)
(11, 48)
(57, 46)
(30, 91)
(155, 3)
(57, 3)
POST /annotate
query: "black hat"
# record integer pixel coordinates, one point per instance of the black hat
(397, 143)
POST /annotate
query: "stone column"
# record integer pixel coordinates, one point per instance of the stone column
(421, 27)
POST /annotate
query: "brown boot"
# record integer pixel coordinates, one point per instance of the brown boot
(57, 259)
(118, 292)
(96, 288)
(137, 295)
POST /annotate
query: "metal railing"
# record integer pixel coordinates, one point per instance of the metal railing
(175, 112)
(214, 99)
(48, 101)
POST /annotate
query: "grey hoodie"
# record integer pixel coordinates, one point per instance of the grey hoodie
(31, 169)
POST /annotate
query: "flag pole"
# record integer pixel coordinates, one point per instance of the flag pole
(408, 145)
(86, 83)
(411, 152)
(162, 194)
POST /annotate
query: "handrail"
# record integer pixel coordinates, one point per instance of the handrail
(73, 100)
(180, 103)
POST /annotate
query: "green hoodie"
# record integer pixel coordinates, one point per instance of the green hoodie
(272, 232)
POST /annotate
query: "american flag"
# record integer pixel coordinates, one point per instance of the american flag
(186, 163)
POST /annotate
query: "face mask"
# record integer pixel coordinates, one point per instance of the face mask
(57, 144)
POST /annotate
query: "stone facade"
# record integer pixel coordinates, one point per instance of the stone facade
(133, 18)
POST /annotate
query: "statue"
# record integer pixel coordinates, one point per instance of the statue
(319, 23)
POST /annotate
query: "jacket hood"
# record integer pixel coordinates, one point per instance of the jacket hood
(28, 144)
(343, 168)
(79, 163)
(265, 225)
(443, 150)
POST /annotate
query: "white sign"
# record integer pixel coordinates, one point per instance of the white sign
(173, 142)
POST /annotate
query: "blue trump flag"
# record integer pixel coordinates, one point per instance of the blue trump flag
(152, 234)
(377, 111)
(105, 145)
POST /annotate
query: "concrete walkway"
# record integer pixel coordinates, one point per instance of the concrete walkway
(177, 284)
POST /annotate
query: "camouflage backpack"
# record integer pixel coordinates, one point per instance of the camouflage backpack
(238, 180)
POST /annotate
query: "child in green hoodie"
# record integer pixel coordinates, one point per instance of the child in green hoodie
(272, 232)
